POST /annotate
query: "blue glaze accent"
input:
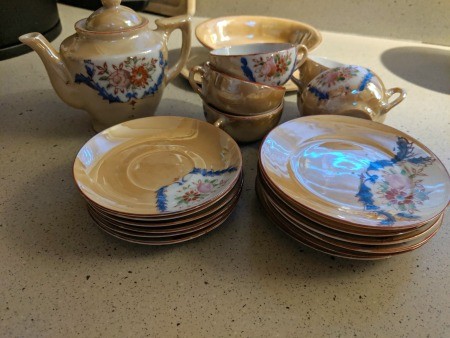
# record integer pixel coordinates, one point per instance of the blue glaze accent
(405, 152)
(365, 81)
(210, 173)
(161, 199)
(318, 93)
(161, 203)
(247, 71)
(89, 81)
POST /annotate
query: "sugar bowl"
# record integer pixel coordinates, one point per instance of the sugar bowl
(346, 90)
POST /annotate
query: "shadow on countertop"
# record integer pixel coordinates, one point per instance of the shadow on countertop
(424, 66)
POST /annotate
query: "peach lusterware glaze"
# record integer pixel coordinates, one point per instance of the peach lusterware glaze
(302, 221)
(161, 166)
(244, 29)
(114, 66)
(313, 66)
(241, 128)
(232, 95)
(300, 229)
(359, 174)
(169, 225)
(347, 90)
(267, 63)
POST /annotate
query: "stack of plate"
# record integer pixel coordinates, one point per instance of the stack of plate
(160, 180)
(350, 187)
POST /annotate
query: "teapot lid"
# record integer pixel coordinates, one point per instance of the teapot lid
(112, 17)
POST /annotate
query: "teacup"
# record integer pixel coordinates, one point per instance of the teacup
(347, 90)
(232, 95)
(244, 129)
(268, 63)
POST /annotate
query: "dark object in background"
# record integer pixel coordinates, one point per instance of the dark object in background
(137, 5)
(18, 17)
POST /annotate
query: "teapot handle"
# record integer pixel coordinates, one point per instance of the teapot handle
(200, 70)
(167, 26)
(389, 93)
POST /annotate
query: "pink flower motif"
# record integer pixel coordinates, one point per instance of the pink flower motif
(399, 182)
(120, 79)
(269, 68)
(331, 78)
(395, 196)
(204, 187)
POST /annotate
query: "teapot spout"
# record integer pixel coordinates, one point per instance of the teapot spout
(49, 56)
(57, 71)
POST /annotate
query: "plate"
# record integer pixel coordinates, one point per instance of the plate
(161, 165)
(384, 245)
(179, 231)
(333, 247)
(173, 224)
(164, 240)
(356, 172)
(310, 241)
(244, 29)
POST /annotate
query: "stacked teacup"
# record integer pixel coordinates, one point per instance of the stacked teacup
(242, 86)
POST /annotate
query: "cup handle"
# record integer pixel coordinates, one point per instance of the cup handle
(303, 51)
(200, 70)
(401, 96)
(167, 26)
(219, 123)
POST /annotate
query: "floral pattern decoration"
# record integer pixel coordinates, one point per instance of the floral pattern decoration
(340, 81)
(131, 79)
(393, 188)
(193, 189)
(271, 69)
(335, 75)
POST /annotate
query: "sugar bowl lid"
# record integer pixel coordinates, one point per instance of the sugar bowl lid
(112, 17)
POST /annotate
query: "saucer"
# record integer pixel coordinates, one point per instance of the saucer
(157, 166)
(168, 225)
(294, 227)
(356, 173)
(166, 233)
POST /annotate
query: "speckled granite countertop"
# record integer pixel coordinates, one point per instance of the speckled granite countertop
(62, 276)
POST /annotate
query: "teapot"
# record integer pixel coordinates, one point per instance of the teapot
(114, 66)
(343, 90)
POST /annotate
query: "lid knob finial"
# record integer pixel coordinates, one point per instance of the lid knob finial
(112, 17)
(111, 3)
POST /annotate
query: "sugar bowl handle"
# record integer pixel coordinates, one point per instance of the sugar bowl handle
(401, 96)
(219, 123)
(167, 26)
(196, 70)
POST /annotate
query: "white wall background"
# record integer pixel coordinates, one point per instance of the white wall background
(420, 20)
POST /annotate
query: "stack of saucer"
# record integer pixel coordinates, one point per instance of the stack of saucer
(351, 187)
(160, 180)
